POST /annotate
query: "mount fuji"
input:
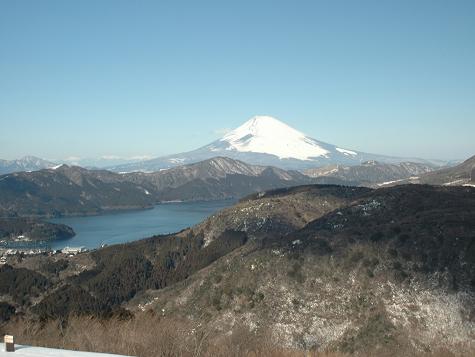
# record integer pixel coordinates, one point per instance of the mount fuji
(264, 140)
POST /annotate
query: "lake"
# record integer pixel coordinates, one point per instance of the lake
(93, 231)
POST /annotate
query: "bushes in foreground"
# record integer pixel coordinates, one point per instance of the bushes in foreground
(152, 335)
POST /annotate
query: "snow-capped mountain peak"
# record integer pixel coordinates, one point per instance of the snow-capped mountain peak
(266, 141)
(268, 135)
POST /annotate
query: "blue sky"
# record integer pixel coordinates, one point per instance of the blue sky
(129, 78)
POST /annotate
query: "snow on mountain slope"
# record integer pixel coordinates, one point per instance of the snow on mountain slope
(460, 175)
(372, 172)
(346, 152)
(26, 163)
(266, 141)
(265, 134)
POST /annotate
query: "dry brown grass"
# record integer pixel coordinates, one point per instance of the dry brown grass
(150, 335)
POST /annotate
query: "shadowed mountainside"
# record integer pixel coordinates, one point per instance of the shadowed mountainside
(65, 191)
(77, 191)
(33, 229)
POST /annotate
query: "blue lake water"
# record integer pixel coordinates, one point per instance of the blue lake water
(93, 231)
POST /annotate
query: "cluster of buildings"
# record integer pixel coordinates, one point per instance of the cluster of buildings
(11, 251)
(70, 251)
(5, 253)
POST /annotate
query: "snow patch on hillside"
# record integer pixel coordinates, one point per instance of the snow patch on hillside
(346, 152)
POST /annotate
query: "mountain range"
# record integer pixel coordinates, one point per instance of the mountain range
(372, 173)
(26, 163)
(459, 175)
(72, 190)
(66, 191)
(33, 163)
(264, 140)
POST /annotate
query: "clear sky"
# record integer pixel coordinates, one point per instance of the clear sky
(128, 78)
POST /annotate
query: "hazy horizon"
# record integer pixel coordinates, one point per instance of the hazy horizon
(126, 79)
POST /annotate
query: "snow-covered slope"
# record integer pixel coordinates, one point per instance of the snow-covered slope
(267, 135)
(264, 140)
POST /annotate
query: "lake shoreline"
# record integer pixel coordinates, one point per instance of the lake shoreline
(109, 211)
(124, 226)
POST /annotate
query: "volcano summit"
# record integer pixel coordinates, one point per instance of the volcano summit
(264, 140)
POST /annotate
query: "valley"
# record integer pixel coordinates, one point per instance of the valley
(237, 179)
(330, 252)
(335, 258)
(74, 191)
(328, 267)
(69, 191)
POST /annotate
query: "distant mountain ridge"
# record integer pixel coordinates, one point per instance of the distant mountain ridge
(68, 190)
(262, 140)
(460, 175)
(372, 173)
(33, 163)
(72, 190)
(26, 163)
(266, 141)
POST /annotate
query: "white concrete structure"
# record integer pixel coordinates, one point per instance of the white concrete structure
(73, 250)
(30, 351)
